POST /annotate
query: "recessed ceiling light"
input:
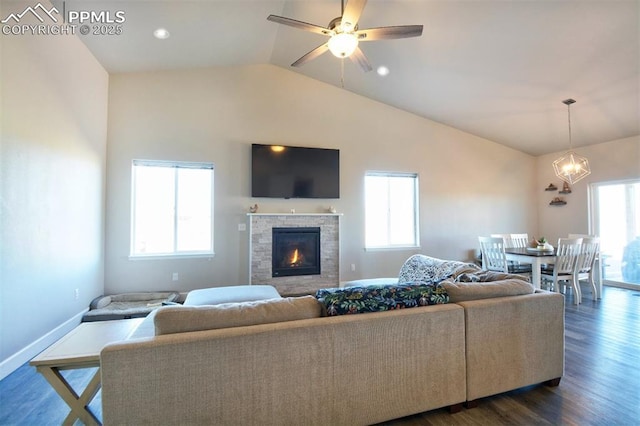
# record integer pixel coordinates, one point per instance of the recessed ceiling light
(382, 70)
(161, 33)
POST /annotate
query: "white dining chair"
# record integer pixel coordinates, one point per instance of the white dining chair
(516, 241)
(562, 271)
(580, 236)
(493, 256)
(519, 240)
(505, 237)
(585, 266)
(596, 275)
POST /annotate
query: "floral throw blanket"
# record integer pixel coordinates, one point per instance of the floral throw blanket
(418, 285)
(378, 298)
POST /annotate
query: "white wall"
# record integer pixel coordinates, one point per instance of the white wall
(52, 180)
(469, 186)
(609, 161)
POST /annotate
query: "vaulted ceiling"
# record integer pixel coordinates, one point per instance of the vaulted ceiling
(497, 69)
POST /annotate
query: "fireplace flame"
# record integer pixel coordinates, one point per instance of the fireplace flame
(295, 258)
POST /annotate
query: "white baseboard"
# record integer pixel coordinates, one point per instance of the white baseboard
(16, 360)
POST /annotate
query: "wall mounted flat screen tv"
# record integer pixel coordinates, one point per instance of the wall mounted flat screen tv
(279, 171)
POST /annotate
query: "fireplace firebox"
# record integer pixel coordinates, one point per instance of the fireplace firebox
(295, 251)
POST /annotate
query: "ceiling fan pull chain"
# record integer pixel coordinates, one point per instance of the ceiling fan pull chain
(342, 72)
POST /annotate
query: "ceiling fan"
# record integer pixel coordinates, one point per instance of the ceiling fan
(344, 34)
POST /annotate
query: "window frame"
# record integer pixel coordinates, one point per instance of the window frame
(416, 212)
(595, 219)
(208, 253)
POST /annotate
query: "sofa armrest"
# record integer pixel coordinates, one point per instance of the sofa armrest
(513, 342)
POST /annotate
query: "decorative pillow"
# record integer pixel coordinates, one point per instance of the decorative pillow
(376, 298)
(180, 319)
(430, 269)
(461, 291)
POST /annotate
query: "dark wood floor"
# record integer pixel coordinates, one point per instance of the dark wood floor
(601, 385)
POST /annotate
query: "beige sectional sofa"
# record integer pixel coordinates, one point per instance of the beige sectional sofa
(342, 370)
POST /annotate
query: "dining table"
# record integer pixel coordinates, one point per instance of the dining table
(536, 257)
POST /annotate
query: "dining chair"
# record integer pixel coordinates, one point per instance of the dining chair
(516, 241)
(493, 256)
(580, 236)
(505, 237)
(585, 266)
(519, 240)
(567, 254)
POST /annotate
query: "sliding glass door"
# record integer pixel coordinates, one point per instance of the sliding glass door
(615, 217)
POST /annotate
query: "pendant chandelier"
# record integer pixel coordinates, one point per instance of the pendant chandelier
(571, 167)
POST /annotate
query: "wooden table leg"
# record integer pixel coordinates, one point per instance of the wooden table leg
(78, 404)
(536, 263)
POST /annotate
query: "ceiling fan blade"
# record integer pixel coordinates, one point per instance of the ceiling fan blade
(351, 14)
(385, 33)
(358, 57)
(311, 55)
(300, 25)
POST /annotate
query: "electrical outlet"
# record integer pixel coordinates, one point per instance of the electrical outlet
(76, 293)
(174, 276)
(242, 227)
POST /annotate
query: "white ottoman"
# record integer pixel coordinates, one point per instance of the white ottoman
(239, 293)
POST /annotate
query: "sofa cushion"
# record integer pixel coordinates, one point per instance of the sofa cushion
(231, 294)
(376, 298)
(179, 319)
(431, 270)
(462, 291)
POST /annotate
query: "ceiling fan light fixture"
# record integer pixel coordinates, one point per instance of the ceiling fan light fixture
(342, 45)
(345, 35)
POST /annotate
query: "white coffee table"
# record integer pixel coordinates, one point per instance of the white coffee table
(80, 348)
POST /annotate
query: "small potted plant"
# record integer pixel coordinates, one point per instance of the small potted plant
(542, 244)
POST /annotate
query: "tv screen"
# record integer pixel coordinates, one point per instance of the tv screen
(279, 171)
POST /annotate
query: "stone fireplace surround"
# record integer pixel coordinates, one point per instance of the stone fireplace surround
(260, 235)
